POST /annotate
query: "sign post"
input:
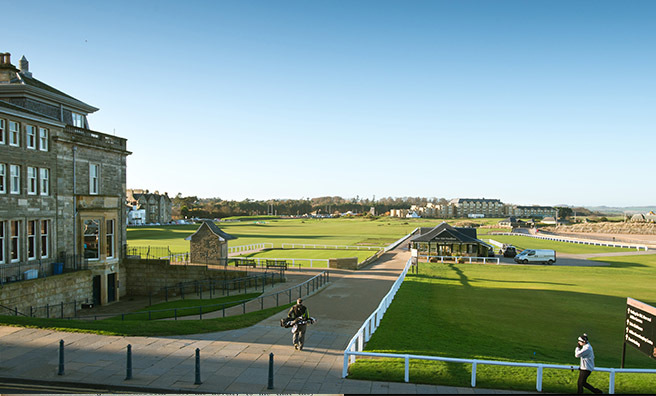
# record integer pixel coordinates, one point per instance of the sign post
(640, 328)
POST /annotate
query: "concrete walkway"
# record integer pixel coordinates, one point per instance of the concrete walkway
(233, 361)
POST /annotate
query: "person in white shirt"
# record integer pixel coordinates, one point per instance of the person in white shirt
(585, 352)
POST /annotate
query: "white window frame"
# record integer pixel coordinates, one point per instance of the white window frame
(43, 139)
(14, 179)
(2, 131)
(45, 238)
(44, 181)
(2, 241)
(3, 179)
(14, 239)
(78, 119)
(31, 240)
(30, 137)
(110, 232)
(94, 179)
(32, 183)
(14, 134)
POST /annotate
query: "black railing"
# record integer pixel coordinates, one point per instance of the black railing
(41, 268)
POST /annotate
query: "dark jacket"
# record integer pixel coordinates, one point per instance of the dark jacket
(298, 311)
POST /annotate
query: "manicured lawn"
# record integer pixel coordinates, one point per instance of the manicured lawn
(343, 231)
(186, 307)
(303, 256)
(560, 247)
(513, 313)
(146, 328)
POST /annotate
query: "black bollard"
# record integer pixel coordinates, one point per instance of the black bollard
(61, 358)
(198, 381)
(270, 386)
(128, 375)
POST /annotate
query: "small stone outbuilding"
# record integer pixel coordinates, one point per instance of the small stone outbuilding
(209, 245)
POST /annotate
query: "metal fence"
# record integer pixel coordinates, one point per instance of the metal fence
(247, 305)
(41, 268)
(61, 310)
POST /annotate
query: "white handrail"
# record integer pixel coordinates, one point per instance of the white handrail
(570, 240)
(253, 246)
(293, 260)
(456, 258)
(475, 362)
(335, 247)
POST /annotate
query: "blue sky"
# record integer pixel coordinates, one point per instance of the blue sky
(531, 102)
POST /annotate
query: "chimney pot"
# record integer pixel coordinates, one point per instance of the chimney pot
(5, 58)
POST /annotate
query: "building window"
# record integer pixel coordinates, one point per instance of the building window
(91, 232)
(30, 136)
(45, 180)
(14, 179)
(78, 120)
(3, 178)
(14, 243)
(110, 238)
(2, 242)
(31, 180)
(45, 239)
(2, 131)
(31, 240)
(43, 139)
(14, 134)
(94, 178)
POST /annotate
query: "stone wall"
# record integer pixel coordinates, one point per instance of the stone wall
(344, 263)
(149, 276)
(53, 290)
(206, 247)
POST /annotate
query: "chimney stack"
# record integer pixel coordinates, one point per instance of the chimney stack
(5, 58)
(7, 70)
(24, 66)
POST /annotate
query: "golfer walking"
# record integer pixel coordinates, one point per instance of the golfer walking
(299, 313)
(584, 351)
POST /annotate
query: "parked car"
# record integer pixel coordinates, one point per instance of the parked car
(547, 256)
(508, 251)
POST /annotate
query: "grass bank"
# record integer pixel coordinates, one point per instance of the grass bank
(513, 313)
(146, 328)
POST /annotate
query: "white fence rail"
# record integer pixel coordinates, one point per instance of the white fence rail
(570, 240)
(466, 259)
(254, 246)
(475, 362)
(335, 247)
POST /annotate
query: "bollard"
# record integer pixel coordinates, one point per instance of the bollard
(198, 381)
(61, 358)
(270, 385)
(128, 375)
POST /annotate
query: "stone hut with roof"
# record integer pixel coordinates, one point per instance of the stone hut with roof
(209, 244)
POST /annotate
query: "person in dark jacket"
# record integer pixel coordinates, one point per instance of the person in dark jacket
(300, 314)
(585, 352)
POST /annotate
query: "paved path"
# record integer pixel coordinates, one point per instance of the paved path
(234, 361)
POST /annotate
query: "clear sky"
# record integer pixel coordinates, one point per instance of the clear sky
(531, 102)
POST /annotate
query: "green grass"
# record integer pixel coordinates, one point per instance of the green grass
(146, 328)
(299, 255)
(514, 313)
(186, 307)
(523, 242)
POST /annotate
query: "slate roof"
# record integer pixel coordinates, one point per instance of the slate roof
(11, 106)
(464, 235)
(215, 230)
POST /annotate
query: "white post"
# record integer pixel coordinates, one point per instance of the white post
(611, 382)
(538, 384)
(407, 368)
(473, 378)
(360, 342)
(345, 368)
(352, 359)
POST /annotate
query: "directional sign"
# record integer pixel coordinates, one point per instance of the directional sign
(640, 327)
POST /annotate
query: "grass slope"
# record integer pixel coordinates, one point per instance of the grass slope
(513, 313)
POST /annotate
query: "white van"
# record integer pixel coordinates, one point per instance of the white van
(527, 256)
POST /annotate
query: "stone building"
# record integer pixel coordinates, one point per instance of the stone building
(531, 211)
(466, 207)
(157, 206)
(209, 244)
(62, 186)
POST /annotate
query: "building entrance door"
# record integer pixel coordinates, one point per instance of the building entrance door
(96, 290)
(111, 287)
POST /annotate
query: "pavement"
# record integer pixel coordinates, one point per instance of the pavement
(234, 361)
